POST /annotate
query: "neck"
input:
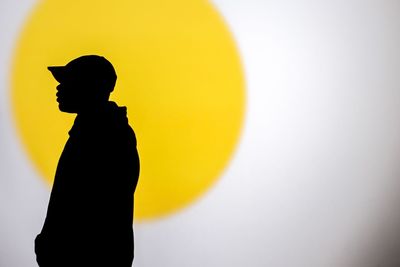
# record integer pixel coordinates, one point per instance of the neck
(93, 108)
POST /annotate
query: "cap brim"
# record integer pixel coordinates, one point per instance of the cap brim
(59, 73)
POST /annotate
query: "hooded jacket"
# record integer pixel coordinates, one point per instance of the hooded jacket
(90, 213)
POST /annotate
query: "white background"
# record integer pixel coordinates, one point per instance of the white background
(315, 181)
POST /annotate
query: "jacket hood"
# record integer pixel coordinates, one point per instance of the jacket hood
(108, 117)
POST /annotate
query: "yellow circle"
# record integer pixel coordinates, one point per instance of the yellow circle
(179, 74)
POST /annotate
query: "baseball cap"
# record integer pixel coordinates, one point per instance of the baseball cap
(89, 69)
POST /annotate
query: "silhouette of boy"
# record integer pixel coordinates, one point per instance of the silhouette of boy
(90, 213)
